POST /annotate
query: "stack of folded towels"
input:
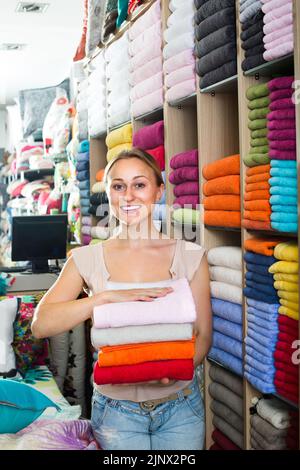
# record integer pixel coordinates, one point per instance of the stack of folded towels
(179, 37)
(82, 109)
(83, 177)
(257, 209)
(225, 266)
(278, 28)
(216, 40)
(226, 391)
(252, 36)
(110, 19)
(145, 63)
(151, 341)
(118, 140)
(97, 98)
(185, 178)
(286, 283)
(118, 91)
(262, 314)
(274, 426)
(222, 190)
(100, 210)
(258, 104)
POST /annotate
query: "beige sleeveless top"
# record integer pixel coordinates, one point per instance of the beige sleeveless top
(91, 266)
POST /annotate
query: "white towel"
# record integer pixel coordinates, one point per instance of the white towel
(184, 26)
(275, 411)
(227, 275)
(227, 256)
(224, 291)
(181, 43)
(179, 14)
(100, 232)
(175, 4)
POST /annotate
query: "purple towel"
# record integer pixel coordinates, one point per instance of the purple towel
(280, 124)
(282, 134)
(189, 158)
(283, 144)
(282, 154)
(283, 103)
(86, 239)
(280, 82)
(283, 93)
(282, 114)
(185, 189)
(149, 137)
(186, 173)
(187, 200)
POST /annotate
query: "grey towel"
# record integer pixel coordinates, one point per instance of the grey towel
(253, 20)
(228, 415)
(211, 7)
(252, 29)
(250, 11)
(221, 73)
(254, 444)
(253, 61)
(253, 41)
(215, 39)
(226, 378)
(229, 431)
(212, 23)
(255, 51)
(199, 3)
(278, 444)
(270, 433)
(227, 397)
(216, 58)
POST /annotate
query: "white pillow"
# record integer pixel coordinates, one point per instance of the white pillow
(8, 312)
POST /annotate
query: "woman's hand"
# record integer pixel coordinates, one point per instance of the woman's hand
(130, 295)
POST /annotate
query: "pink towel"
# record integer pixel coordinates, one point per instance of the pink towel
(185, 189)
(280, 23)
(189, 200)
(183, 159)
(280, 82)
(269, 5)
(282, 40)
(86, 229)
(148, 103)
(284, 103)
(148, 70)
(143, 39)
(274, 13)
(283, 144)
(150, 85)
(181, 90)
(148, 53)
(279, 51)
(176, 307)
(179, 60)
(283, 93)
(282, 134)
(282, 154)
(281, 124)
(86, 239)
(149, 137)
(180, 75)
(181, 175)
(277, 34)
(145, 21)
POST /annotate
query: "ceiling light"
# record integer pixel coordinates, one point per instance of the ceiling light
(31, 7)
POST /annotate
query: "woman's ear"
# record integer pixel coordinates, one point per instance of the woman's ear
(160, 192)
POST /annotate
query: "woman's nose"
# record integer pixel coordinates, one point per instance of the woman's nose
(128, 194)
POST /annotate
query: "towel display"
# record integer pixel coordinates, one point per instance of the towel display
(185, 177)
(82, 109)
(96, 101)
(118, 140)
(278, 18)
(252, 38)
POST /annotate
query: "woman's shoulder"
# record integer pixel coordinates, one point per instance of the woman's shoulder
(189, 259)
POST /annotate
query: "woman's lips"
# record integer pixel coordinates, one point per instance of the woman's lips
(130, 209)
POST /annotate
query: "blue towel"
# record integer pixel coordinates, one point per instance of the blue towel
(283, 181)
(263, 340)
(288, 172)
(83, 157)
(85, 211)
(259, 347)
(257, 268)
(85, 193)
(283, 164)
(228, 328)
(286, 200)
(228, 360)
(267, 378)
(285, 227)
(259, 384)
(268, 290)
(227, 310)
(284, 217)
(257, 295)
(255, 258)
(84, 202)
(268, 325)
(84, 184)
(272, 317)
(267, 280)
(81, 166)
(228, 344)
(281, 208)
(83, 175)
(283, 191)
(83, 146)
(265, 307)
(260, 357)
(271, 335)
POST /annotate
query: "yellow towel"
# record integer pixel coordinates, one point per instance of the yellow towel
(289, 313)
(289, 304)
(116, 150)
(287, 251)
(292, 296)
(95, 241)
(119, 136)
(288, 267)
(286, 286)
(286, 277)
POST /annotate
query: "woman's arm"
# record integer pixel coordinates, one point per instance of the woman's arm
(203, 325)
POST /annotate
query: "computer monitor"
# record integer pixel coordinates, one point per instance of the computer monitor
(39, 238)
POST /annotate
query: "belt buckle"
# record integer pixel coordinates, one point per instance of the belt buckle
(148, 405)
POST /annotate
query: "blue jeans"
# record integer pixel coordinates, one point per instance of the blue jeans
(174, 425)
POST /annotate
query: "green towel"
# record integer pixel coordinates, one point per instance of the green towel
(258, 113)
(257, 124)
(257, 91)
(186, 216)
(260, 149)
(259, 141)
(259, 133)
(259, 103)
(255, 159)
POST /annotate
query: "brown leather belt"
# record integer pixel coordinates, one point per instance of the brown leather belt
(150, 405)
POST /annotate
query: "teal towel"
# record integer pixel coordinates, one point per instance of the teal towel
(289, 172)
(283, 181)
(283, 217)
(122, 12)
(283, 164)
(281, 208)
(285, 227)
(284, 191)
(287, 200)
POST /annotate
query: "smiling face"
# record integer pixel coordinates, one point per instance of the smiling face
(132, 190)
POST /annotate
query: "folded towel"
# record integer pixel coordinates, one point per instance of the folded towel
(181, 90)
(227, 275)
(216, 58)
(257, 268)
(260, 246)
(226, 202)
(227, 256)
(253, 40)
(253, 61)
(83, 156)
(282, 144)
(230, 382)
(261, 339)
(283, 172)
(235, 436)
(249, 10)
(113, 152)
(178, 76)
(226, 327)
(257, 215)
(221, 17)
(187, 200)
(287, 251)
(183, 59)
(188, 188)
(229, 184)
(277, 444)
(259, 384)
(286, 277)
(227, 344)
(227, 70)
(215, 39)
(227, 415)
(274, 411)
(221, 168)
(271, 325)
(284, 190)
(264, 288)
(266, 359)
(259, 133)
(222, 218)
(227, 310)
(265, 307)
(257, 91)
(259, 141)
(185, 159)
(284, 217)
(281, 50)
(283, 199)
(256, 258)
(259, 348)
(186, 216)
(259, 295)
(119, 136)
(159, 154)
(183, 174)
(226, 359)
(259, 103)
(265, 280)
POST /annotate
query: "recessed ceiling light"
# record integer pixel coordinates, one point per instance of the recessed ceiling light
(31, 7)
(12, 46)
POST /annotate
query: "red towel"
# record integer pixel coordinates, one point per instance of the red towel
(289, 396)
(159, 154)
(285, 357)
(289, 322)
(288, 387)
(289, 368)
(285, 346)
(215, 447)
(223, 441)
(286, 377)
(287, 338)
(179, 369)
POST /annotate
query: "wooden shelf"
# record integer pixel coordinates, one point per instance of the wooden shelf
(117, 127)
(291, 403)
(155, 115)
(229, 85)
(272, 233)
(225, 229)
(283, 65)
(190, 100)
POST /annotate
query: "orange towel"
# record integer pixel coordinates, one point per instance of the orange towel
(257, 178)
(264, 216)
(261, 246)
(227, 202)
(255, 170)
(256, 224)
(128, 354)
(258, 205)
(254, 195)
(224, 185)
(257, 186)
(222, 218)
(100, 174)
(225, 166)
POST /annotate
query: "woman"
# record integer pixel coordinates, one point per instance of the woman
(151, 415)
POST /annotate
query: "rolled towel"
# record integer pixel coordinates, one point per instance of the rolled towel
(149, 137)
(273, 410)
(227, 256)
(227, 310)
(231, 382)
(227, 275)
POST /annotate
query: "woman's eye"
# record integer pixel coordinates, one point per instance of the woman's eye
(118, 187)
(140, 185)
